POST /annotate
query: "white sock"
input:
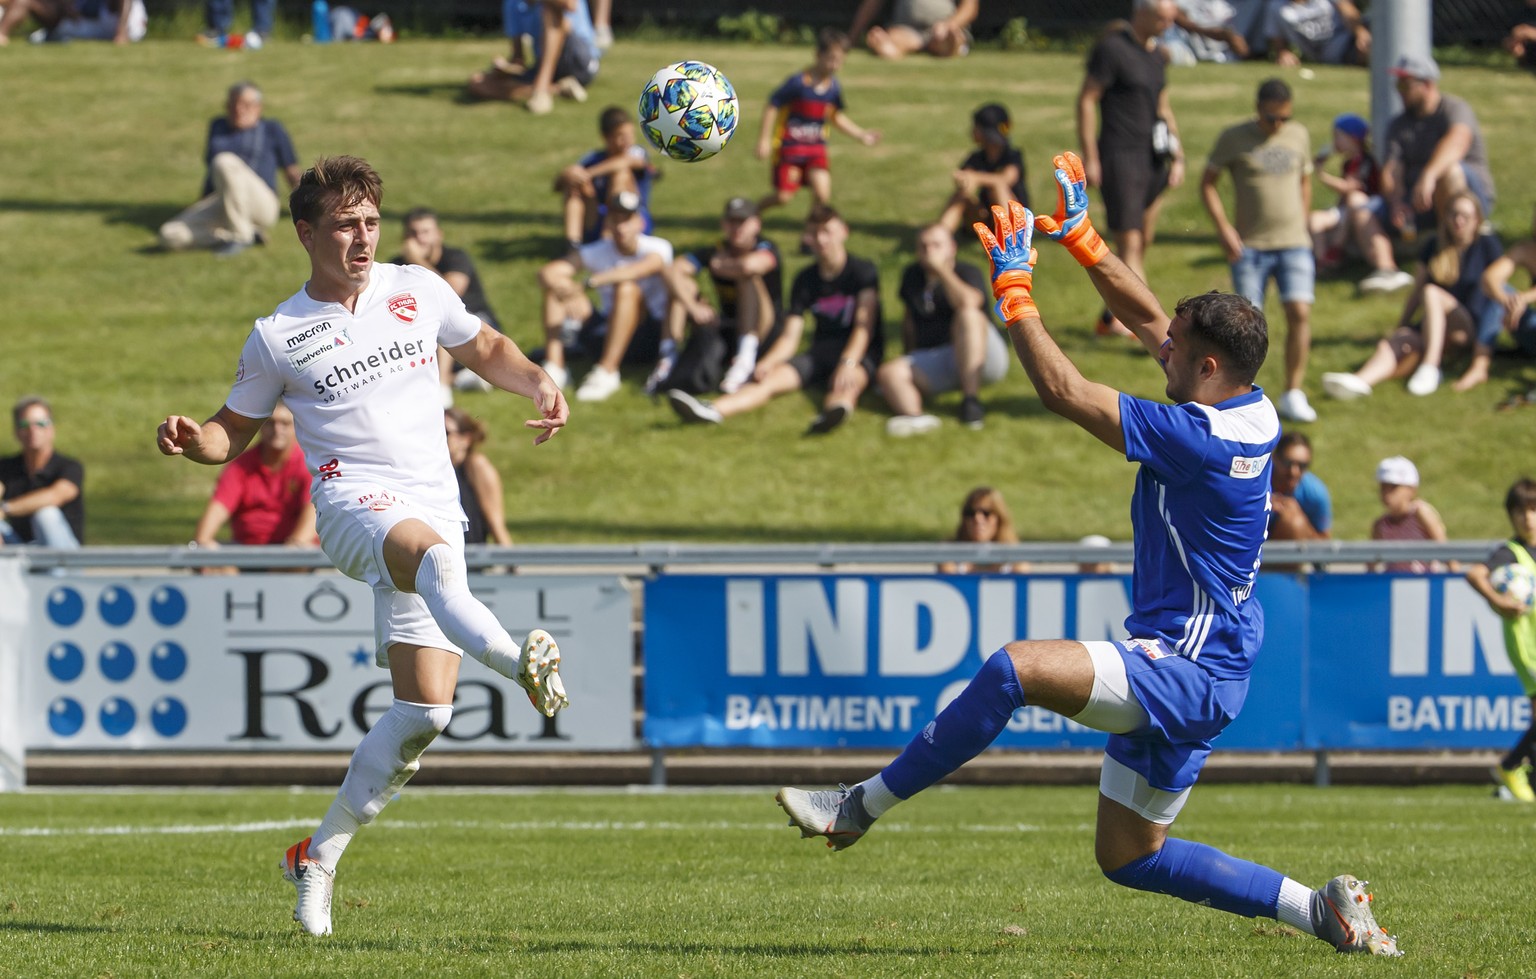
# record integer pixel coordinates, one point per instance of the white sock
(746, 347)
(384, 761)
(442, 581)
(878, 800)
(1295, 907)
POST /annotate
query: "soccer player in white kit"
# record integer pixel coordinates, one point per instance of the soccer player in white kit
(353, 355)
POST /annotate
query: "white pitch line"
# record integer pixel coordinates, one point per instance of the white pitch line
(574, 826)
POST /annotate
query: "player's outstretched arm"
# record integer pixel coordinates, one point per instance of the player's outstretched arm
(214, 442)
(497, 359)
(1062, 387)
(1127, 297)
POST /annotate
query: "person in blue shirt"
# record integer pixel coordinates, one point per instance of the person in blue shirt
(587, 185)
(1199, 514)
(239, 200)
(1300, 507)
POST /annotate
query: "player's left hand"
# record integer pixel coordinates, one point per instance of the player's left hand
(1013, 259)
(553, 411)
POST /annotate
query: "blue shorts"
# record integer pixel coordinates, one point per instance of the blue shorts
(1293, 269)
(1187, 708)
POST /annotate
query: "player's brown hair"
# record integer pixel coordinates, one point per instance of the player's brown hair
(1521, 496)
(830, 38)
(333, 183)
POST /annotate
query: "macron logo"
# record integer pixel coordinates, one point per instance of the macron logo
(1248, 467)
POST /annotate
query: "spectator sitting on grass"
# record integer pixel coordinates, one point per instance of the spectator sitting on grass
(984, 518)
(1434, 149)
(42, 498)
(1204, 30)
(993, 174)
(1518, 318)
(1457, 313)
(941, 28)
(1329, 32)
(620, 164)
(118, 21)
(1358, 217)
(480, 487)
(1300, 507)
(1521, 39)
(565, 55)
(263, 494)
(1407, 518)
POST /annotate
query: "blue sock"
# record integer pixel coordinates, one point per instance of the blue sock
(1203, 874)
(962, 730)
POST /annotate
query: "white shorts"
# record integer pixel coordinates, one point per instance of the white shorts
(352, 533)
(1113, 708)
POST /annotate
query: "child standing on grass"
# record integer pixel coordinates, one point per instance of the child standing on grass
(794, 130)
(1407, 517)
(1514, 769)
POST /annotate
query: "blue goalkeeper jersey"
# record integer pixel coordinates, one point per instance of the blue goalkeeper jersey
(1200, 514)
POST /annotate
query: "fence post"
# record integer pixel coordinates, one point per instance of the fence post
(1397, 28)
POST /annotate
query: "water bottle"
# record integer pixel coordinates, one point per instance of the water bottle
(320, 17)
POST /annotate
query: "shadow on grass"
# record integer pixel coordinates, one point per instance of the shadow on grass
(453, 91)
(149, 216)
(51, 927)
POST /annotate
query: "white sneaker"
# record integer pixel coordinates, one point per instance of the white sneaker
(570, 88)
(1345, 387)
(538, 673)
(600, 385)
(1294, 406)
(315, 885)
(540, 103)
(602, 37)
(559, 375)
(739, 373)
(468, 380)
(1385, 280)
(691, 409)
(253, 41)
(659, 375)
(1424, 380)
(904, 426)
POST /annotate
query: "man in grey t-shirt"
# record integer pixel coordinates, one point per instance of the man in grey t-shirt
(1434, 148)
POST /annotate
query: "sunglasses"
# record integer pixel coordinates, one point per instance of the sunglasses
(1294, 463)
(971, 513)
(1274, 118)
(34, 423)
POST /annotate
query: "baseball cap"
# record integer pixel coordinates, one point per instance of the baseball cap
(1352, 125)
(1397, 471)
(992, 120)
(739, 209)
(1417, 66)
(624, 203)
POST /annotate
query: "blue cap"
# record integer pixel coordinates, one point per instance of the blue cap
(1352, 125)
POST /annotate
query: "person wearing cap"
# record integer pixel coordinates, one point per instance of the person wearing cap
(841, 294)
(1136, 154)
(629, 270)
(748, 276)
(950, 343)
(587, 185)
(1360, 214)
(1407, 518)
(1329, 32)
(993, 174)
(941, 28)
(1434, 148)
(1270, 159)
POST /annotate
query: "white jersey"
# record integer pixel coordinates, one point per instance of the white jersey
(363, 386)
(603, 255)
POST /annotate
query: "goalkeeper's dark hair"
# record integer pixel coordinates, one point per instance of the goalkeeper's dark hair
(1521, 496)
(333, 184)
(1231, 325)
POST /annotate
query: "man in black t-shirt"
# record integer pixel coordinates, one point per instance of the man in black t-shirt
(993, 174)
(1136, 153)
(422, 244)
(949, 343)
(749, 288)
(841, 293)
(40, 490)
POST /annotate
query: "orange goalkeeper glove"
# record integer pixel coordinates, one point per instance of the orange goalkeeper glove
(1013, 260)
(1070, 224)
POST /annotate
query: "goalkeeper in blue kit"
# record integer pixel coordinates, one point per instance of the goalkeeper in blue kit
(1199, 513)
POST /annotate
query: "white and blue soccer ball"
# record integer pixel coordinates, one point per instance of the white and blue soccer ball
(1515, 581)
(689, 111)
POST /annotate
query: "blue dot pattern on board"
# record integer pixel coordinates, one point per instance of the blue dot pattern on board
(167, 605)
(168, 716)
(66, 662)
(117, 716)
(65, 717)
(117, 661)
(65, 606)
(168, 661)
(116, 605)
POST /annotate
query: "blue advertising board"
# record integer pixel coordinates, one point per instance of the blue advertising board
(865, 661)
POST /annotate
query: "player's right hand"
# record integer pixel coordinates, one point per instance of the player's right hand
(1013, 260)
(176, 433)
(1070, 224)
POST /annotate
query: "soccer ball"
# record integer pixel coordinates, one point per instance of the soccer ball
(1517, 582)
(688, 111)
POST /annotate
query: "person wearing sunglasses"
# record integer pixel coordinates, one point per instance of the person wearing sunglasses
(984, 518)
(1300, 507)
(41, 498)
(1270, 160)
